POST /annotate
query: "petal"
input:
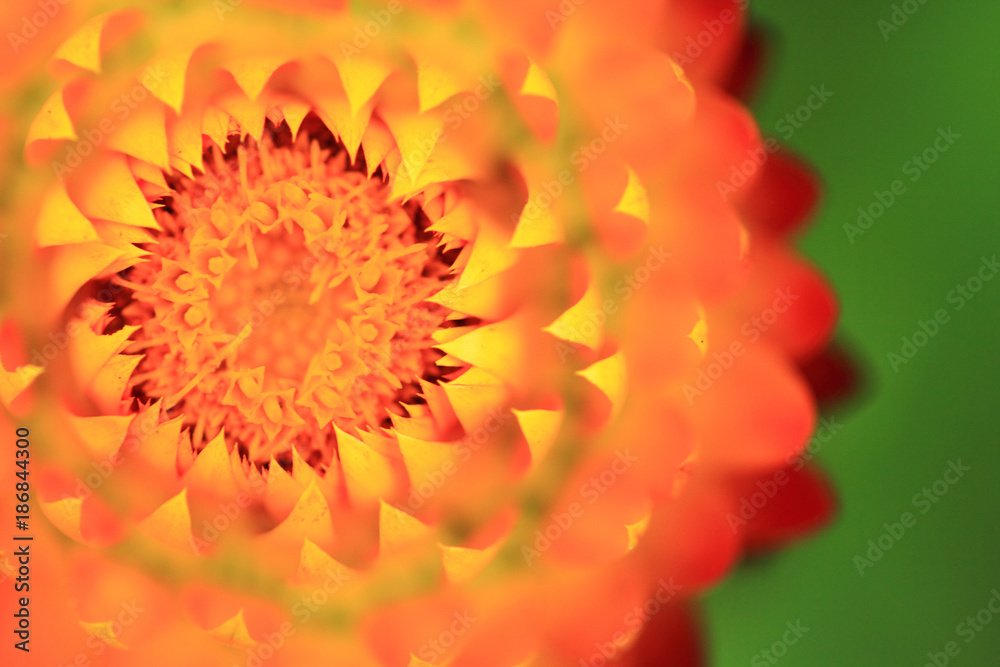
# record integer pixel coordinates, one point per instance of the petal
(60, 222)
(799, 500)
(171, 524)
(540, 428)
(52, 124)
(367, 473)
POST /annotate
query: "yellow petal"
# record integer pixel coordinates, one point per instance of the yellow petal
(143, 134)
(295, 113)
(51, 124)
(109, 384)
(65, 514)
(109, 192)
(424, 459)
(171, 68)
(158, 443)
(104, 631)
(212, 470)
(145, 171)
(635, 199)
(475, 403)
(637, 530)
(302, 472)
(215, 124)
(435, 85)
(12, 383)
(83, 48)
(309, 519)
(460, 222)
(540, 428)
(582, 322)
(317, 567)
(538, 83)
(185, 143)
(397, 529)
(462, 564)
(282, 492)
(367, 472)
(252, 73)
(496, 348)
(89, 351)
(103, 435)
(378, 143)
(699, 334)
(234, 632)
(349, 127)
(483, 300)
(250, 114)
(536, 226)
(491, 255)
(170, 523)
(608, 375)
(74, 265)
(361, 77)
(416, 137)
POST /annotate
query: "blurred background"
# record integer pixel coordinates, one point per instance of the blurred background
(898, 74)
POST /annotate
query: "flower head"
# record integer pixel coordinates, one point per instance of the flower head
(421, 333)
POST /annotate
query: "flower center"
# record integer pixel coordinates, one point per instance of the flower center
(286, 292)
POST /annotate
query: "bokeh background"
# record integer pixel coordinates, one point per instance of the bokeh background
(892, 91)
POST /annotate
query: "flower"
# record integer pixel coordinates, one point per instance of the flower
(421, 333)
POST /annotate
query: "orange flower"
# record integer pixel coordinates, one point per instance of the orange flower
(415, 333)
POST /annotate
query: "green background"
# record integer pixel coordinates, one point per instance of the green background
(938, 70)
